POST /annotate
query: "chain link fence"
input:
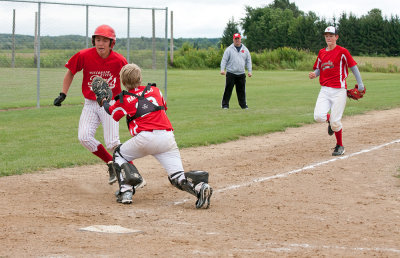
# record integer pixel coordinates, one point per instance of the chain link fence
(38, 38)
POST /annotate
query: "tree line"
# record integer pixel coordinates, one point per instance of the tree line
(277, 25)
(282, 24)
(76, 42)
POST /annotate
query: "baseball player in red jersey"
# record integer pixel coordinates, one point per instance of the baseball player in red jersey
(332, 68)
(152, 134)
(102, 61)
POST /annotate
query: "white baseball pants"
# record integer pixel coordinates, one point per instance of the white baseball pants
(332, 99)
(160, 144)
(91, 117)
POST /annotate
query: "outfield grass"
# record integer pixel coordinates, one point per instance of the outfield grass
(34, 139)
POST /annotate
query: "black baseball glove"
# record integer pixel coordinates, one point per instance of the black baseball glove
(101, 89)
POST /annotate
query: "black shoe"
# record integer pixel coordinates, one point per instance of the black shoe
(204, 196)
(125, 197)
(330, 131)
(339, 150)
(225, 107)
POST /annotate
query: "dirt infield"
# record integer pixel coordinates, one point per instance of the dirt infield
(280, 194)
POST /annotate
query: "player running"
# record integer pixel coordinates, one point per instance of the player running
(332, 68)
(152, 134)
(102, 61)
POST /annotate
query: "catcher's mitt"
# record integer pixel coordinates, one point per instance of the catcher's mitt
(355, 93)
(101, 89)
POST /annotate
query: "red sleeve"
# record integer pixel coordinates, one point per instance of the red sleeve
(117, 111)
(75, 63)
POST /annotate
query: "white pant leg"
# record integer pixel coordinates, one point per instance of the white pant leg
(170, 159)
(88, 123)
(339, 98)
(323, 105)
(160, 143)
(132, 149)
(110, 128)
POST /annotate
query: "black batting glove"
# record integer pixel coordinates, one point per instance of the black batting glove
(59, 99)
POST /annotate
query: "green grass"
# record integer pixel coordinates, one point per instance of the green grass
(19, 86)
(39, 138)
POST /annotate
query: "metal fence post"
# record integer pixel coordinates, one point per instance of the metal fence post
(166, 51)
(38, 61)
(87, 26)
(127, 39)
(13, 42)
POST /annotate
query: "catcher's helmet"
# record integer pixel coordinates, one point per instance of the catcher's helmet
(105, 31)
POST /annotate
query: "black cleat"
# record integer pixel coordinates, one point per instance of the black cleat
(125, 197)
(339, 150)
(204, 196)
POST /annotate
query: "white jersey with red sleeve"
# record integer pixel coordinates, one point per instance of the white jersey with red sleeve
(93, 65)
(333, 66)
(156, 120)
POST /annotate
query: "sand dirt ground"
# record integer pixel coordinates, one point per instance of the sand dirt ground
(281, 194)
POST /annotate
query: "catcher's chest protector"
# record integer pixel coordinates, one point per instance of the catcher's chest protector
(144, 106)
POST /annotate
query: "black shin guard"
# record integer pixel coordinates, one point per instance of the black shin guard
(127, 171)
(197, 176)
(128, 174)
(184, 185)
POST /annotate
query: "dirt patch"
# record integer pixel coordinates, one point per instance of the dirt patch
(280, 194)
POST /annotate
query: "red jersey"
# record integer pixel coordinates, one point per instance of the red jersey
(93, 65)
(157, 120)
(333, 66)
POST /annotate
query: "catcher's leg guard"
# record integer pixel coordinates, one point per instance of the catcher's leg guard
(197, 176)
(183, 185)
(127, 174)
(195, 183)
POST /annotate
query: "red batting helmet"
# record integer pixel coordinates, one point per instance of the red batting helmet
(105, 31)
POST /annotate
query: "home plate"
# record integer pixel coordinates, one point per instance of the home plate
(110, 229)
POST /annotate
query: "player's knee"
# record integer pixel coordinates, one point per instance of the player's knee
(320, 118)
(117, 155)
(88, 143)
(112, 145)
(336, 126)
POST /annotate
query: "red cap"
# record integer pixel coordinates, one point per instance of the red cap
(236, 35)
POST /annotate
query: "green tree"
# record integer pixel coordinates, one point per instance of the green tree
(306, 32)
(392, 32)
(372, 30)
(266, 28)
(231, 28)
(349, 34)
(285, 4)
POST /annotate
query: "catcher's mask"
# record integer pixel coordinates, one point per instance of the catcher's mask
(105, 31)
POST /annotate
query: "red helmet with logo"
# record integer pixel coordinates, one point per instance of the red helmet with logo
(105, 31)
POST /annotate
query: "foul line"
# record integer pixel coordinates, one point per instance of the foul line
(284, 247)
(289, 247)
(286, 174)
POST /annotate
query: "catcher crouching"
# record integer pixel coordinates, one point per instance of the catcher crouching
(152, 134)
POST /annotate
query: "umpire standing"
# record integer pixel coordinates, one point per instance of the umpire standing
(236, 58)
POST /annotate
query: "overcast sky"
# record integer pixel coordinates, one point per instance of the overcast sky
(192, 18)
